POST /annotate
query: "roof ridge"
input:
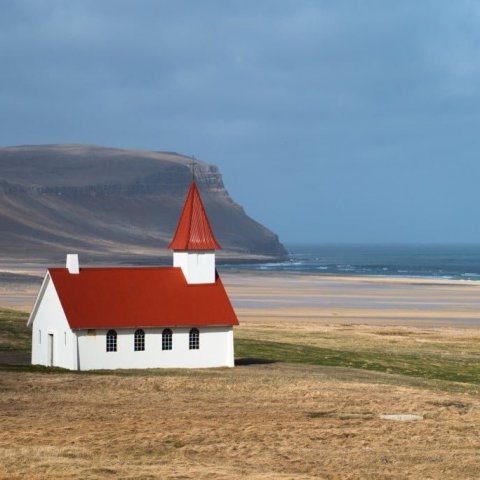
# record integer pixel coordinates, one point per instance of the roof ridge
(193, 188)
(129, 267)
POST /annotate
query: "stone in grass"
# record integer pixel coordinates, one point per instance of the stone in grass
(402, 417)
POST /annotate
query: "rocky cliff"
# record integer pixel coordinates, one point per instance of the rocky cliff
(113, 205)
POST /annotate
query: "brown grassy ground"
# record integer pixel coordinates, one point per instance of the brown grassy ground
(256, 422)
(274, 421)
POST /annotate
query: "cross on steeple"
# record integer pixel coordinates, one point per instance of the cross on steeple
(193, 168)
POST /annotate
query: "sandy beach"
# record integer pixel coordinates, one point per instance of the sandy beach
(424, 303)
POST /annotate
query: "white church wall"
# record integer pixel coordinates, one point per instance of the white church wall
(198, 267)
(216, 349)
(53, 343)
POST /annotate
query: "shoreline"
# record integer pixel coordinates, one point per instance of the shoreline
(38, 270)
(409, 280)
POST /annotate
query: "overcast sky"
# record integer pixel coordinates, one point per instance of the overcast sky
(331, 121)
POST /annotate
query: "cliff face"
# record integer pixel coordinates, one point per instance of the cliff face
(109, 204)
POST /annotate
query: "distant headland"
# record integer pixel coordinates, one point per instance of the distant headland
(110, 204)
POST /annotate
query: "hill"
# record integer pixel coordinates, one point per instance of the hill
(113, 204)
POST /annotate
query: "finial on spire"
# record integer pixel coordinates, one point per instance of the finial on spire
(193, 168)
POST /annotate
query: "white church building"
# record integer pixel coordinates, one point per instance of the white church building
(139, 317)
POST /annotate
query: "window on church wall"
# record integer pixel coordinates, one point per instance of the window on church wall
(39, 336)
(167, 339)
(139, 340)
(111, 341)
(194, 339)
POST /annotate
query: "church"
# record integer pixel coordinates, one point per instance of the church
(88, 318)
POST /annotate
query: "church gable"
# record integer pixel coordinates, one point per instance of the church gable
(52, 337)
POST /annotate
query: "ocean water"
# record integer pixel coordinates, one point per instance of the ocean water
(429, 261)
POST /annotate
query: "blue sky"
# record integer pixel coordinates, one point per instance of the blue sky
(331, 121)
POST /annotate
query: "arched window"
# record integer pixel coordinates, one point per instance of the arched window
(139, 340)
(167, 339)
(111, 341)
(194, 339)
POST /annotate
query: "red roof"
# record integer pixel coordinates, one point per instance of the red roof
(140, 297)
(193, 230)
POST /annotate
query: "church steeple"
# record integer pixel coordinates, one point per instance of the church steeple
(194, 243)
(193, 230)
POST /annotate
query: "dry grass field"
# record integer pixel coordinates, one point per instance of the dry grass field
(312, 412)
(256, 422)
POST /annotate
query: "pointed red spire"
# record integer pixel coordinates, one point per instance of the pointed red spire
(193, 230)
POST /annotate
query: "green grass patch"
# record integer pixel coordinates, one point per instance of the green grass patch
(428, 366)
(14, 333)
(449, 365)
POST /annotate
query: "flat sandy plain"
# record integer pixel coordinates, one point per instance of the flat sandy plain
(355, 349)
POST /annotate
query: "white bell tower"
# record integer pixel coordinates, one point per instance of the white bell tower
(197, 266)
(194, 243)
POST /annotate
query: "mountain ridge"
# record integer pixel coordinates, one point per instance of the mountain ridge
(112, 204)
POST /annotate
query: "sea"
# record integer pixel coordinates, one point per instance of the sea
(424, 261)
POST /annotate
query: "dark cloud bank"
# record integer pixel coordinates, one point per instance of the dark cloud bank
(332, 121)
